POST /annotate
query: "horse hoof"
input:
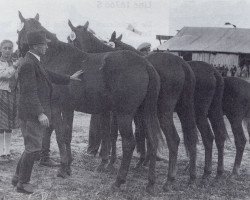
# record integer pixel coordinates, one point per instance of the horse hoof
(192, 183)
(220, 177)
(138, 166)
(62, 173)
(70, 160)
(100, 168)
(218, 181)
(234, 176)
(150, 189)
(145, 163)
(205, 178)
(69, 171)
(205, 181)
(167, 187)
(110, 168)
(115, 187)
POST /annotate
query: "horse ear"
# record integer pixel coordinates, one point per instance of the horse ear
(71, 25)
(37, 17)
(119, 38)
(21, 16)
(113, 36)
(86, 25)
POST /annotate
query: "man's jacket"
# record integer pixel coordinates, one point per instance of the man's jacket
(36, 88)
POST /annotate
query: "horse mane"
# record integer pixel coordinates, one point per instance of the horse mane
(123, 46)
(59, 48)
(94, 44)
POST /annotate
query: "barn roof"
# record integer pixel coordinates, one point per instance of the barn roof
(209, 39)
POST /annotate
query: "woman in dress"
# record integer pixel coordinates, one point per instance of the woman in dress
(8, 120)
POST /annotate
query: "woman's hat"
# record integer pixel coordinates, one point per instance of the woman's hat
(37, 37)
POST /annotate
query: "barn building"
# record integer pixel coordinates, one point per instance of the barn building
(217, 46)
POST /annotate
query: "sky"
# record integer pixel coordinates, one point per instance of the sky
(151, 17)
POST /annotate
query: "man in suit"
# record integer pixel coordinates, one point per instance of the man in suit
(34, 108)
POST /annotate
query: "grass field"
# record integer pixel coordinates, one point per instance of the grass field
(86, 183)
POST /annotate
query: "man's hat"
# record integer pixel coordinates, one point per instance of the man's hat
(37, 37)
(143, 46)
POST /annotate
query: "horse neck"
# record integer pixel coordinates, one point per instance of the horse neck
(120, 45)
(62, 57)
(96, 46)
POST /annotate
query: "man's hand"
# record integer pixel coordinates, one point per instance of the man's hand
(43, 119)
(76, 75)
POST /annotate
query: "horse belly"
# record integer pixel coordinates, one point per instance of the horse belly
(94, 102)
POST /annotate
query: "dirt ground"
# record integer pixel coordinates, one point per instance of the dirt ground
(86, 183)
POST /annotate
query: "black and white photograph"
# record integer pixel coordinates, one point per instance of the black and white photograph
(124, 100)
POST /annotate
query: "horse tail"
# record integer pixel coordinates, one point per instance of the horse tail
(149, 109)
(190, 134)
(246, 122)
(216, 111)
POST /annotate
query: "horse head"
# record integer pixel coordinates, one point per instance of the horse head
(119, 45)
(30, 25)
(59, 56)
(85, 39)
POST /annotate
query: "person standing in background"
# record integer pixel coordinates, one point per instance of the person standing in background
(145, 48)
(8, 119)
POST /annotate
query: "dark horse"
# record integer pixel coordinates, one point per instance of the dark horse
(207, 104)
(235, 104)
(177, 88)
(121, 82)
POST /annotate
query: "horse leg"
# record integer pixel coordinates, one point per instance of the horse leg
(68, 124)
(106, 140)
(128, 145)
(239, 139)
(185, 111)
(201, 105)
(215, 115)
(173, 140)
(220, 134)
(140, 138)
(207, 139)
(58, 126)
(247, 121)
(151, 172)
(94, 134)
(114, 135)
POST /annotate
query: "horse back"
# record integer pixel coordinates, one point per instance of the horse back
(172, 75)
(204, 75)
(236, 97)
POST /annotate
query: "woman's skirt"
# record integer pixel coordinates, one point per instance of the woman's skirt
(8, 110)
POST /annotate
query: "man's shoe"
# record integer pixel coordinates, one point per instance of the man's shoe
(14, 180)
(25, 188)
(49, 162)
